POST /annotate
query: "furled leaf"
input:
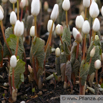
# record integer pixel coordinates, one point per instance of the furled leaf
(68, 71)
(91, 79)
(8, 32)
(18, 73)
(84, 69)
(37, 50)
(66, 38)
(12, 44)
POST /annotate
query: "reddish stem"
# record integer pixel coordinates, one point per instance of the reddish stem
(13, 83)
(4, 37)
(26, 9)
(61, 39)
(10, 88)
(21, 14)
(17, 44)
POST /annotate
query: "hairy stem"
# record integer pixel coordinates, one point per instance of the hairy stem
(17, 44)
(4, 37)
(96, 76)
(35, 29)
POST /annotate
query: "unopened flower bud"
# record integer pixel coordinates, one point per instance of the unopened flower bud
(86, 3)
(13, 18)
(59, 29)
(13, 1)
(22, 3)
(32, 31)
(75, 32)
(55, 12)
(57, 52)
(96, 25)
(35, 7)
(46, 5)
(86, 27)
(1, 9)
(97, 64)
(78, 38)
(30, 69)
(4, 1)
(27, 3)
(19, 28)
(79, 21)
(94, 10)
(102, 10)
(66, 5)
(49, 25)
(13, 61)
(96, 37)
(1, 15)
(92, 53)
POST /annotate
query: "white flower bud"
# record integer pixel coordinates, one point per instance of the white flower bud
(35, 7)
(92, 52)
(79, 21)
(94, 10)
(4, 1)
(78, 38)
(27, 3)
(1, 15)
(32, 31)
(86, 3)
(19, 28)
(1, 9)
(30, 69)
(97, 64)
(102, 10)
(57, 52)
(86, 27)
(46, 5)
(49, 25)
(13, 61)
(96, 25)
(66, 5)
(96, 37)
(22, 102)
(13, 1)
(55, 12)
(75, 32)
(59, 29)
(22, 3)
(13, 18)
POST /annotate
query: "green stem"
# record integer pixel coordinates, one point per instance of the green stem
(13, 82)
